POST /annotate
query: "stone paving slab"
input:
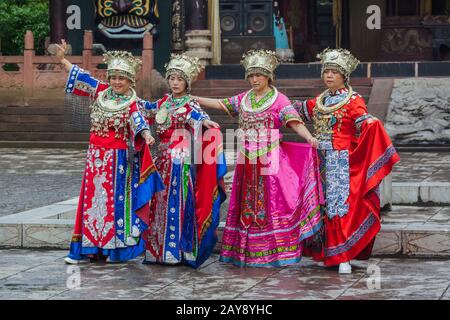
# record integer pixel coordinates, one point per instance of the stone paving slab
(32, 178)
(405, 279)
(40, 282)
(39, 275)
(15, 261)
(309, 281)
(223, 281)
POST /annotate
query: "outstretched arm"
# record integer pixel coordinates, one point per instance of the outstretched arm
(199, 117)
(211, 124)
(303, 132)
(209, 103)
(79, 82)
(201, 114)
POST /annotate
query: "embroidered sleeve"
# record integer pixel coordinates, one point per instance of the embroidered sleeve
(147, 108)
(197, 115)
(231, 105)
(288, 114)
(138, 123)
(361, 120)
(196, 107)
(81, 83)
(304, 108)
(361, 116)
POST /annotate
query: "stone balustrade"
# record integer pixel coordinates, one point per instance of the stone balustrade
(43, 76)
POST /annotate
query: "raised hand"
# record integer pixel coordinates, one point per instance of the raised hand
(61, 49)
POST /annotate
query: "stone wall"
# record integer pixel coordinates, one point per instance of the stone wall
(419, 111)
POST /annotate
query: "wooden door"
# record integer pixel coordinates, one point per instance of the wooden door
(364, 43)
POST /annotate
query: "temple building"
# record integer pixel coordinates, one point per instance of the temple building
(219, 31)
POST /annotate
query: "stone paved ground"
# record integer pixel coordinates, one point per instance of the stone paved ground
(26, 274)
(31, 178)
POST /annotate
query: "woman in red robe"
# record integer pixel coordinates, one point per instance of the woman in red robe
(119, 177)
(355, 155)
(184, 217)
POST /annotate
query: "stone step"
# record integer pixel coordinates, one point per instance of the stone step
(32, 127)
(30, 119)
(293, 88)
(56, 108)
(406, 230)
(436, 193)
(45, 144)
(44, 136)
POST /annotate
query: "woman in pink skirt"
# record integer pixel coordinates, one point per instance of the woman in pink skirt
(275, 196)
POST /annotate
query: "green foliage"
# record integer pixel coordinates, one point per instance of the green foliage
(18, 16)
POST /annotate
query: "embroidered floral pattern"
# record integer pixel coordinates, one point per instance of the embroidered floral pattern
(337, 182)
(198, 110)
(253, 202)
(325, 142)
(260, 215)
(380, 162)
(232, 105)
(287, 114)
(334, 99)
(147, 108)
(260, 253)
(353, 239)
(95, 215)
(251, 106)
(262, 148)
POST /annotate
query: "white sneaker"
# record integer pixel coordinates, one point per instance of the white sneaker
(73, 261)
(345, 268)
(108, 260)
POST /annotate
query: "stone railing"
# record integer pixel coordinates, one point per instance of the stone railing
(43, 76)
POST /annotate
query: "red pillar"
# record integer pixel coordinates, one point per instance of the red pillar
(28, 71)
(147, 66)
(87, 50)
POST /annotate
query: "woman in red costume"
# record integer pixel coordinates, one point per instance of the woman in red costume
(184, 217)
(119, 177)
(355, 155)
